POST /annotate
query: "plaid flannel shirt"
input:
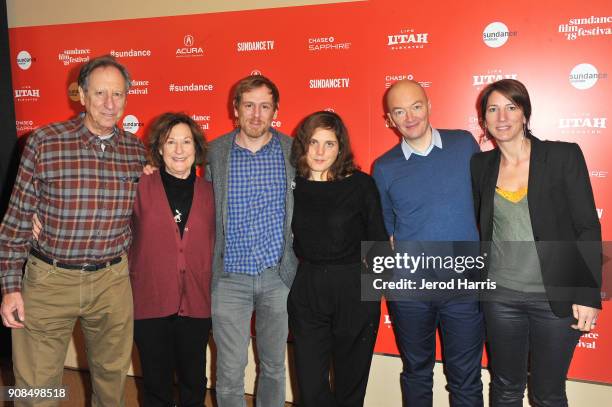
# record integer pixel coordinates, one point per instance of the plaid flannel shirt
(82, 193)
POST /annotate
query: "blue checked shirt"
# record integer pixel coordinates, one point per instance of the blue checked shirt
(256, 208)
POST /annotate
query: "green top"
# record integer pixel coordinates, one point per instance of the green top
(514, 258)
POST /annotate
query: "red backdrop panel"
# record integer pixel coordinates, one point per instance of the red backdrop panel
(343, 57)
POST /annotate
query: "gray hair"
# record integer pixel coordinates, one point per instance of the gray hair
(102, 62)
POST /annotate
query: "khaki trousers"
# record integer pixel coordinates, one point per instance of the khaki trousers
(54, 299)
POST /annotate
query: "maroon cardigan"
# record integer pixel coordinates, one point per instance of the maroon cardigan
(171, 275)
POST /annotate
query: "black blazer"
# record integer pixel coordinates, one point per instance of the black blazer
(563, 218)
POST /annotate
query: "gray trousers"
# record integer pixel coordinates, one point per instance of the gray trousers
(234, 298)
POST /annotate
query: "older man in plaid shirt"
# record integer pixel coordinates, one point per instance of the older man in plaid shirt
(79, 177)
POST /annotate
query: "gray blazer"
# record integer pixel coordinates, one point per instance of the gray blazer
(218, 170)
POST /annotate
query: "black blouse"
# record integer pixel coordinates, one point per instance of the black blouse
(180, 194)
(330, 219)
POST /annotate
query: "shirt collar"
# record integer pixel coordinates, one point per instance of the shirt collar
(436, 141)
(88, 137)
(270, 145)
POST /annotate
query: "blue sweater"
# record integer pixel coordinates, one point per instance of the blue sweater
(429, 198)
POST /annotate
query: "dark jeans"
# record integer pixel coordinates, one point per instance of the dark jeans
(522, 331)
(461, 324)
(331, 326)
(168, 345)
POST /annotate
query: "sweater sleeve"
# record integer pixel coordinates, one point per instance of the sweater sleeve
(385, 199)
(378, 240)
(375, 226)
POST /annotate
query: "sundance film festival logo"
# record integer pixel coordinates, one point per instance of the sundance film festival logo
(585, 76)
(327, 44)
(588, 341)
(407, 39)
(246, 46)
(131, 124)
(27, 94)
(74, 56)
(139, 87)
(203, 120)
(24, 60)
(490, 77)
(582, 124)
(189, 48)
(496, 34)
(329, 83)
(586, 27)
(391, 79)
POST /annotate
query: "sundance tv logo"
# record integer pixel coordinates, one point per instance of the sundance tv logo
(254, 46)
(329, 83)
(24, 60)
(189, 49)
(496, 34)
(407, 39)
(131, 124)
(585, 76)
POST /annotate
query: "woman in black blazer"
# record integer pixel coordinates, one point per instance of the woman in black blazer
(537, 217)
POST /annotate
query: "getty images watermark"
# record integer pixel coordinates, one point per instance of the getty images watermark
(444, 270)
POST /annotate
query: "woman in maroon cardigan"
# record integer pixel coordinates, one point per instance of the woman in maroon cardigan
(173, 230)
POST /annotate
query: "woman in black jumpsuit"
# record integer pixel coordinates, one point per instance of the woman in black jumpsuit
(336, 207)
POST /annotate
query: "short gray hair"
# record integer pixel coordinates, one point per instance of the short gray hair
(102, 62)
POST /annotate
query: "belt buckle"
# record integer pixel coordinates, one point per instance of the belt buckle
(85, 266)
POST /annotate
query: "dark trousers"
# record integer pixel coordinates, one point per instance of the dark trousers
(461, 323)
(523, 331)
(331, 327)
(168, 345)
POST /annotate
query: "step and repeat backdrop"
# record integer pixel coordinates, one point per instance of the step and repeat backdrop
(343, 57)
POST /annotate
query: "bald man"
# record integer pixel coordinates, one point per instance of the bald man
(426, 195)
